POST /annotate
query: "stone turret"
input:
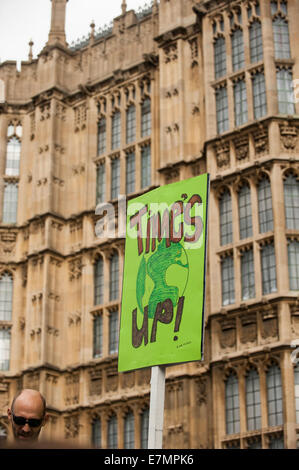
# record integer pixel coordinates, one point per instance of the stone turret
(57, 31)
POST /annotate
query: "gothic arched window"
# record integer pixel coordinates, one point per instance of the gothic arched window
(253, 401)
(129, 436)
(232, 405)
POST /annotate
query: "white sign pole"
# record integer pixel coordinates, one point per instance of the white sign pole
(156, 412)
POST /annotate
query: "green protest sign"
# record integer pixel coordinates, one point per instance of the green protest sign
(162, 313)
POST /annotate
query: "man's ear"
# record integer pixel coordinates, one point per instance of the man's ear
(9, 414)
(46, 417)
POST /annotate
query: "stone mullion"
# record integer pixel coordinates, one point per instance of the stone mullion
(215, 265)
(138, 103)
(92, 138)
(120, 427)
(155, 129)
(123, 120)
(258, 270)
(268, 49)
(254, 209)
(263, 395)
(104, 429)
(242, 403)
(17, 340)
(281, 252)
(137, 168)
(245, 30)
(45, 309)
(106, 300)
(219, 418)
(137, 427)
(123, 173)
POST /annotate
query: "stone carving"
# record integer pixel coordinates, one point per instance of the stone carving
(222, 154)
(228, 333)
(288, 136)
(269, 328)
(95, 383)
(8, 241)
(71, 426)
(129, 379)
(248, 328)
(201, 390)
(75, 268)
(170, 53)
(242, 148)
(112, 379)
(45, 111)
(144, 376)
(60, 111)
(72, 389)
(261, 143)
(80, 117)
(32, 380)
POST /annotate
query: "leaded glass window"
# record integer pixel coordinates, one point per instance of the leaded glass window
(6, 293)
(281, 38)
(285, 94)
(247, 275)
(276, 443)
(226, 223)
(115, 131)
(259, 95)
(232, 405)
(237, 49)
(222, 110)
(129, 436)
(274, 396)
(265, 205)
(97, 434)
(113, 332)
(98, 336)
(253, 401)
(13, 154)
(114, 277)
(112, 433)
(130, 172)
(291, 202)
(101, 183)
(4, 348)
(146, 118)
(144, 429)
(102, 136)
(99, 282)
(256, 42)
(240, 99)
(228, 280)
(293, 262)
(10, 203)
(220, 57)
(131, 124)
(268, 269)
(145, 166)
(245, 218)
(115, 178)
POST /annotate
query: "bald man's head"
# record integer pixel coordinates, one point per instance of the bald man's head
(30, 394)
(27, 414)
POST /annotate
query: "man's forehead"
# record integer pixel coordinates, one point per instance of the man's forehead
(29, 399)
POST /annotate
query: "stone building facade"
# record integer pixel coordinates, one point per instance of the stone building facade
(180, 88)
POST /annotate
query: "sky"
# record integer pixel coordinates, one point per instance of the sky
(23, 20)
